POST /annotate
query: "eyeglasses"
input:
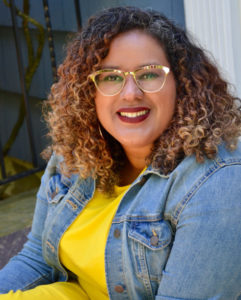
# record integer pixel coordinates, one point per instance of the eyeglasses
(149, 79)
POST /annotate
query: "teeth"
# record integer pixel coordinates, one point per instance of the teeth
(134, 114)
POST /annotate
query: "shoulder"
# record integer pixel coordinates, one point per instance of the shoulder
(194, 173)
(53, 179)
(204, 207)
(227, 157)
(223, 158)
(214, 182)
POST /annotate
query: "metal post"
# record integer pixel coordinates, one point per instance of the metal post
(3, 170)
(22, 82)
(50, 39)
(78, 15)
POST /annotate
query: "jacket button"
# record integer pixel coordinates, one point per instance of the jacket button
(117, 233)
(154, 240)
(119, 289)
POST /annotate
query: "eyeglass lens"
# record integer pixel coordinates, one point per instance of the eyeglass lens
(111, 82)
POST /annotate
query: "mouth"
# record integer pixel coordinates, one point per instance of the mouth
(133, 114)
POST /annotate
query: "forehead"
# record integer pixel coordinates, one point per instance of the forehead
(134, 49)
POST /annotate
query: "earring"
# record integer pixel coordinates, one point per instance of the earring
(100, 131)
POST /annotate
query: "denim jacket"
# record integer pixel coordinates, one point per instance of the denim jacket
(175, 236)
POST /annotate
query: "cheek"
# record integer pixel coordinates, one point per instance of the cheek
(102, 110)
(166, 109)
(167, 102)
(171, 99)
(171, 108)
(98, 106)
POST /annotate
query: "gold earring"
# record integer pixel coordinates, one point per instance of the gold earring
(100, 131)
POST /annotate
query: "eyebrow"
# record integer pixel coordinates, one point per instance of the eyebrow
(109, 67)
(140, 66)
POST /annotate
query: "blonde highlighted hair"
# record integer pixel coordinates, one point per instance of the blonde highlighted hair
(206, 113)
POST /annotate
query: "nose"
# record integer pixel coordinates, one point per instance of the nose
(130, 90)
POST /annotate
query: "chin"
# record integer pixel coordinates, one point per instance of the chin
(136, 144)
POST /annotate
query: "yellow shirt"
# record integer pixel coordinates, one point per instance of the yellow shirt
(82, 250)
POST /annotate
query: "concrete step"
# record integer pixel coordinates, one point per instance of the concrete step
(16, 212)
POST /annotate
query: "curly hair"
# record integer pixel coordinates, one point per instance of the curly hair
(206, 113)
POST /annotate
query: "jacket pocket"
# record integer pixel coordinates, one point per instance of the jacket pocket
(150, 246)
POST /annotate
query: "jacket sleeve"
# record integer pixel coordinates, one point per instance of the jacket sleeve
(28, 269)
(205, 259)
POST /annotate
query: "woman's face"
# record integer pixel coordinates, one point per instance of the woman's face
(128, 52)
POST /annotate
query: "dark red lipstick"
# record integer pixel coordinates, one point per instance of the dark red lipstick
(133, 114)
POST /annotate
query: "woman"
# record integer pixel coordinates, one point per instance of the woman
(141, 198)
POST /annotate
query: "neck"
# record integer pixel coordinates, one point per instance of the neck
(137, 156)
(135, 163)
(128, 174)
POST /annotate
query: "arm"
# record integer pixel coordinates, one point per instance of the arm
(28, 268)
(205, 259)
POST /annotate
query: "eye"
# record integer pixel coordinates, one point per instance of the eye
(148, 76)
(110, 77)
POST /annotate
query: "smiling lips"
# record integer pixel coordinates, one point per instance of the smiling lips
(133, 114)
